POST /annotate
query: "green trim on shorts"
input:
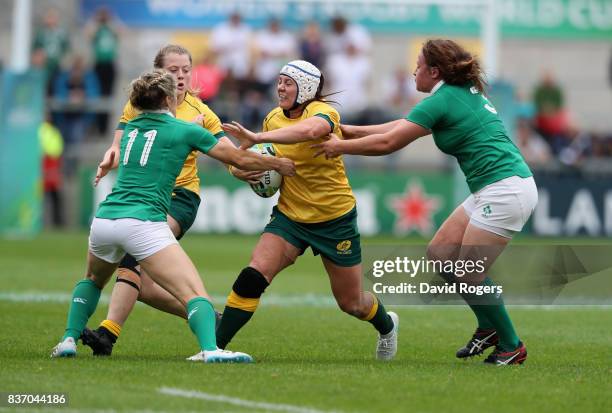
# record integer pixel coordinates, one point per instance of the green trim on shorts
(337, 240)
(184, 208)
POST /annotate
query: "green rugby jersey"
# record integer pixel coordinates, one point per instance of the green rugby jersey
(465, 125)
(153, 150)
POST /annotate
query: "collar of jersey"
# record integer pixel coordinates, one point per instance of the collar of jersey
(437, 86)
(166, 111)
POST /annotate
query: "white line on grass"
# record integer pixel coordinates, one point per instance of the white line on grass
(219, 398)
(287, 300)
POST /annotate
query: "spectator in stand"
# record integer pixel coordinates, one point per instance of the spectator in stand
(273, 47)
(104, 33)
(579, 145)
(52, 146)
(311, 45)
(551, 116)
(610, 70)
(348, 74)
(54, 41)
(75, 90)
(533, 147)
(230, 42)
(344, 33)
(207, 77)
(400, 92)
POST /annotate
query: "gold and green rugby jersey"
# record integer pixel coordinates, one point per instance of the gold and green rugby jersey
(153, 150)
(465, 125)
(188, 110)
(320, 190)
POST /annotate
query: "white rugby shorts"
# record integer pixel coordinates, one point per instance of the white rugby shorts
(110, 239)
(503, 207)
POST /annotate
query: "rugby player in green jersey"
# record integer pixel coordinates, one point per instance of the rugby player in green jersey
(132, 219)
(464, 124)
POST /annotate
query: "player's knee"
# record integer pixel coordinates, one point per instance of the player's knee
(351, 306)
(250, 283)
(441, 252)
(129, 277)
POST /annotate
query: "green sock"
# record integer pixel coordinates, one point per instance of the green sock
(483, 321)
(381, 320)
(201, 319)
(83, 304)
(494, 310)
(233, 320)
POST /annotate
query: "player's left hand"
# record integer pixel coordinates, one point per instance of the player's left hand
(244, 136)
(199, 119)
(329, 147)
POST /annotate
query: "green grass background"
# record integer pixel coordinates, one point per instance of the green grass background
(308, 356)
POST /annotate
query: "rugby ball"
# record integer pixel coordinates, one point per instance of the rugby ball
(271, 180)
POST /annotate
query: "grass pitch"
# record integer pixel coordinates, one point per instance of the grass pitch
(310, 356)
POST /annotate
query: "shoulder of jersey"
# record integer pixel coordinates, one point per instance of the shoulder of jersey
(195, 101)
(273, 113)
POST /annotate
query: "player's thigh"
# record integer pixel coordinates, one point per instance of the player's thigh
(272, 254)
(98, 270)
(183, 211)
(172, 269)
(446, 242)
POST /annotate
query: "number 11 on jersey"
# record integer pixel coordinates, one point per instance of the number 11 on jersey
(144, 157)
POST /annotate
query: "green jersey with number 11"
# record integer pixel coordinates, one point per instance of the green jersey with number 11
(465, 125)
(154, 147)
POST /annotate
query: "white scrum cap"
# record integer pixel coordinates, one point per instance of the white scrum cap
(307, 77)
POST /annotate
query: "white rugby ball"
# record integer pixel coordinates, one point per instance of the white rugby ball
(271, 180)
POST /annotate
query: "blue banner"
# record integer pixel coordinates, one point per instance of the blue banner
(519, 18)
(21, 109)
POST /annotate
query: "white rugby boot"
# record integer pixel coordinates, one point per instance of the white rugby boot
(66, 348)
(221, 356)
(387, 344)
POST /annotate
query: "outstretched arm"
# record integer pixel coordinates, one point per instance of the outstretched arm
(111, 157)
(373, 145)
(250, 161)
(353, 131)
(306, 130)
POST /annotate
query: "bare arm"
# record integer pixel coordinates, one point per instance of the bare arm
(306, 130)
(251, 177)
(373, 145)
(353, 131)
(250, 161)
(111, 157)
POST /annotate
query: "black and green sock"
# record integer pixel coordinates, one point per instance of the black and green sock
(241, 304)
(379, 317)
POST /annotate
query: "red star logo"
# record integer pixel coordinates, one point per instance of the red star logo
(414, 209)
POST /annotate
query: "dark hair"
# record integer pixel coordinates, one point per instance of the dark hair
(150, 90)
(456, 65)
